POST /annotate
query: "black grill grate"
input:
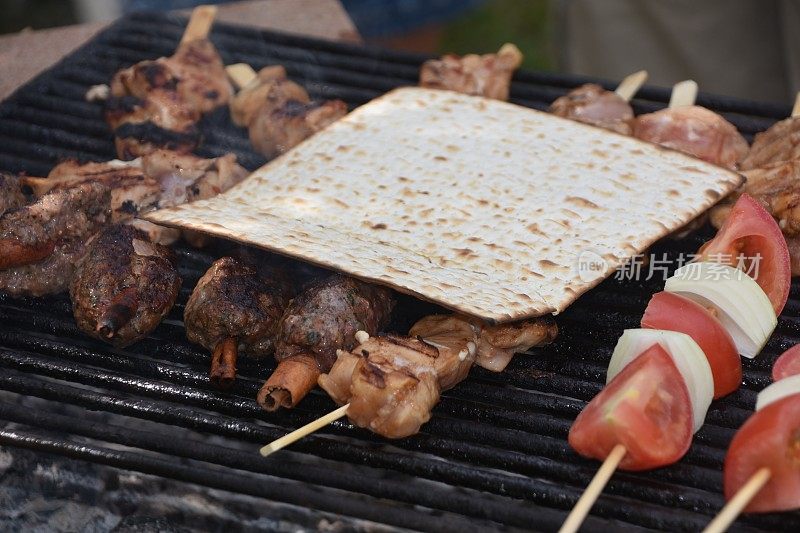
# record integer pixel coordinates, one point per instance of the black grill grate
(495, 453)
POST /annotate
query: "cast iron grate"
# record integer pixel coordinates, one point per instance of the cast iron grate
(495, 453)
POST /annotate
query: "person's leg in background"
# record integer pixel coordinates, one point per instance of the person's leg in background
(734, 47)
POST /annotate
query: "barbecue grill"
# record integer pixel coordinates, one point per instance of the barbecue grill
(494, 454)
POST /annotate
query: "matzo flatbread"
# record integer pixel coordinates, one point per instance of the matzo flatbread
(485, 207)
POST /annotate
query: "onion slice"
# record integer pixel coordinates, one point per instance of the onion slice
(778, 391)
(742, 307)
(685, 353)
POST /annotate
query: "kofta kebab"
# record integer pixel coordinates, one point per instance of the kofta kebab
(78, 231)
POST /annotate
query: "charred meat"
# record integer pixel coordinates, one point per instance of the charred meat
(235, 308)
(391, 383)
(592, 104)
(11, 196)
(323, 318)
(694, 130)
(31, 233)
(488, 75)
(124, 286)
(156, 104)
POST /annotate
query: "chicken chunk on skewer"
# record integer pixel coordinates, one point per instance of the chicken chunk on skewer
(781, 142)
(392, 383)
(156, 104)
(275, 132)
(592, 104)
(31, 233)
(486, 75)
(269, 88)
(277, 111)
(323, 318)
(694, 130)
(235, 308)
(124, 286)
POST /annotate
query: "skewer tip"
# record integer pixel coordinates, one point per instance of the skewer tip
(631, 84)
(200, 23)
(683, 93)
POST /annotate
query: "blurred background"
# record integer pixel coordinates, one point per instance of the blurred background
(745, 48)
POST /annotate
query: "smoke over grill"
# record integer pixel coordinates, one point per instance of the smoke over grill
(494, 454)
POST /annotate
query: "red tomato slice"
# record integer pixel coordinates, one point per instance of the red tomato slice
(675, 313)
(770, 438)
(788, 364)
(750, 231)
(646, 408)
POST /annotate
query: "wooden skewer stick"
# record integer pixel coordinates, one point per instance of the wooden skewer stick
(796, 108)
(200, 23)
(241, 74)
(592, 492)
(299, 433)
(733, 508)
(683, 93)
(631, 85)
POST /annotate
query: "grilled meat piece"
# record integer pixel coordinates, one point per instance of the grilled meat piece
(51, 275)
(124, 286)
(488, 75)
(11, 196)
(694, 130)
(274, 131)
(156, 104)
(391, 383)
(157, 180)
(271, 90)
(781, 142)
(29, 234)
(322, 319)
(235, 308)
(592, 104)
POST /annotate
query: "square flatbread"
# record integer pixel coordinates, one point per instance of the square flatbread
(485, 207)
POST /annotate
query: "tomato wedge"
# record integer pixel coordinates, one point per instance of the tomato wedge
(749, 232)
(646, 408)
(788, 364)
(673, 312)
(770, 438)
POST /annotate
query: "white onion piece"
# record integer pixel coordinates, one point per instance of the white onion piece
(685, 353)
(778, 391)
(743, 308)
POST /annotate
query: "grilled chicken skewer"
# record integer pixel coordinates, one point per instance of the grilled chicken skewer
(692, 129)
(159, 179)
(156, 104)
(592, 104)
(488, 75)
(41, 242)
(277, 111)
(235, 308)
(323, 318)
(124, 286)
(389, 384)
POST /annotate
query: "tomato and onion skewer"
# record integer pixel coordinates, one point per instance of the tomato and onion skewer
(768, 292)
(762, 466)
